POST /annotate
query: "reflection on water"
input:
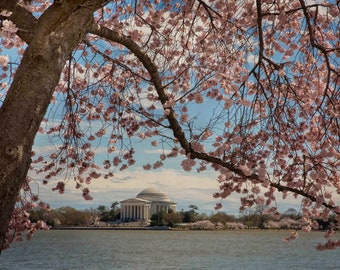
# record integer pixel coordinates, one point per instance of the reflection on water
(168, 250)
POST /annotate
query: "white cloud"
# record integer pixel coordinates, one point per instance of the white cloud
(182, 187)
(158, 151)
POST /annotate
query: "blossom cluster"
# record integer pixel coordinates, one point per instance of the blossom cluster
(246, 89)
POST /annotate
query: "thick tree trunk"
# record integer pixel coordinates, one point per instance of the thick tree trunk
(58, 31)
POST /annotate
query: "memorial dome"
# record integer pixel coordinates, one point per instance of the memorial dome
(154, 195)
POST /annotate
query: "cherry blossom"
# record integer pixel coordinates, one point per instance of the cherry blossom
(247, 89)
(5, 13)
(8, 26)
(293, 235)
(4, 59)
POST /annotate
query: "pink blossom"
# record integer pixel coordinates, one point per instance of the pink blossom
(8, 26)
(218, 206)
(60, 187)
(142, 135)
(329, 233)
(187, 164)
(237, 139)
(147, 166)
(255, 189)
(86, 194)
(174, 153)
(245, 102)
(100, 133)
(306, 228)
(198, 98)
(228, 103)
(328, 194)
(315, 225)
(293, 235)
(131, 161)
(41, 225)
(329, 245)
(5, 13)
(95, 175)
(86, 145)
(4, 59)
(157, 165)
(35, 198)
(246, 170)
(225, 147)
(111, 149)
(123, 167)
(154, 143)
(264, 119)
(116, 161)
(184, 118)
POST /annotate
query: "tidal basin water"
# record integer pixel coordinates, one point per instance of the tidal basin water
(115, 249)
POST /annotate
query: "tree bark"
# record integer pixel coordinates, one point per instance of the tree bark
(56, 34)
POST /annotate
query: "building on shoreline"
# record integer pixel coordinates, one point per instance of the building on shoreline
(145, 204)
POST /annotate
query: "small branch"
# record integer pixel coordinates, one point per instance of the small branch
(259, 27)
(174, 124)
(22, 18)
(153, 71)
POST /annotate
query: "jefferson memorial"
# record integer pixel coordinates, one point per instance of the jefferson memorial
(145, 204)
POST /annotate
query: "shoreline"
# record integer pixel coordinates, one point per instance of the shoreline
(113, 228)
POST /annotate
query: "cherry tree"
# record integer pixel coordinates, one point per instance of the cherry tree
(248, 89)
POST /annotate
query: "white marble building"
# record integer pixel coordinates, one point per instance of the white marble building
(145, 204)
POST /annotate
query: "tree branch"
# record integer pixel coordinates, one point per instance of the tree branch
(22, 18)
(153, 71)
(174, 124)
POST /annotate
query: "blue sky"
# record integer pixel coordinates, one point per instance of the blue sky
(185, 188)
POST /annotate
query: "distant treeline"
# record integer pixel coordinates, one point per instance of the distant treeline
(256, 217)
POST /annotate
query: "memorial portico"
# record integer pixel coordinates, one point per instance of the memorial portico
(145, 204)
(135, 209)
